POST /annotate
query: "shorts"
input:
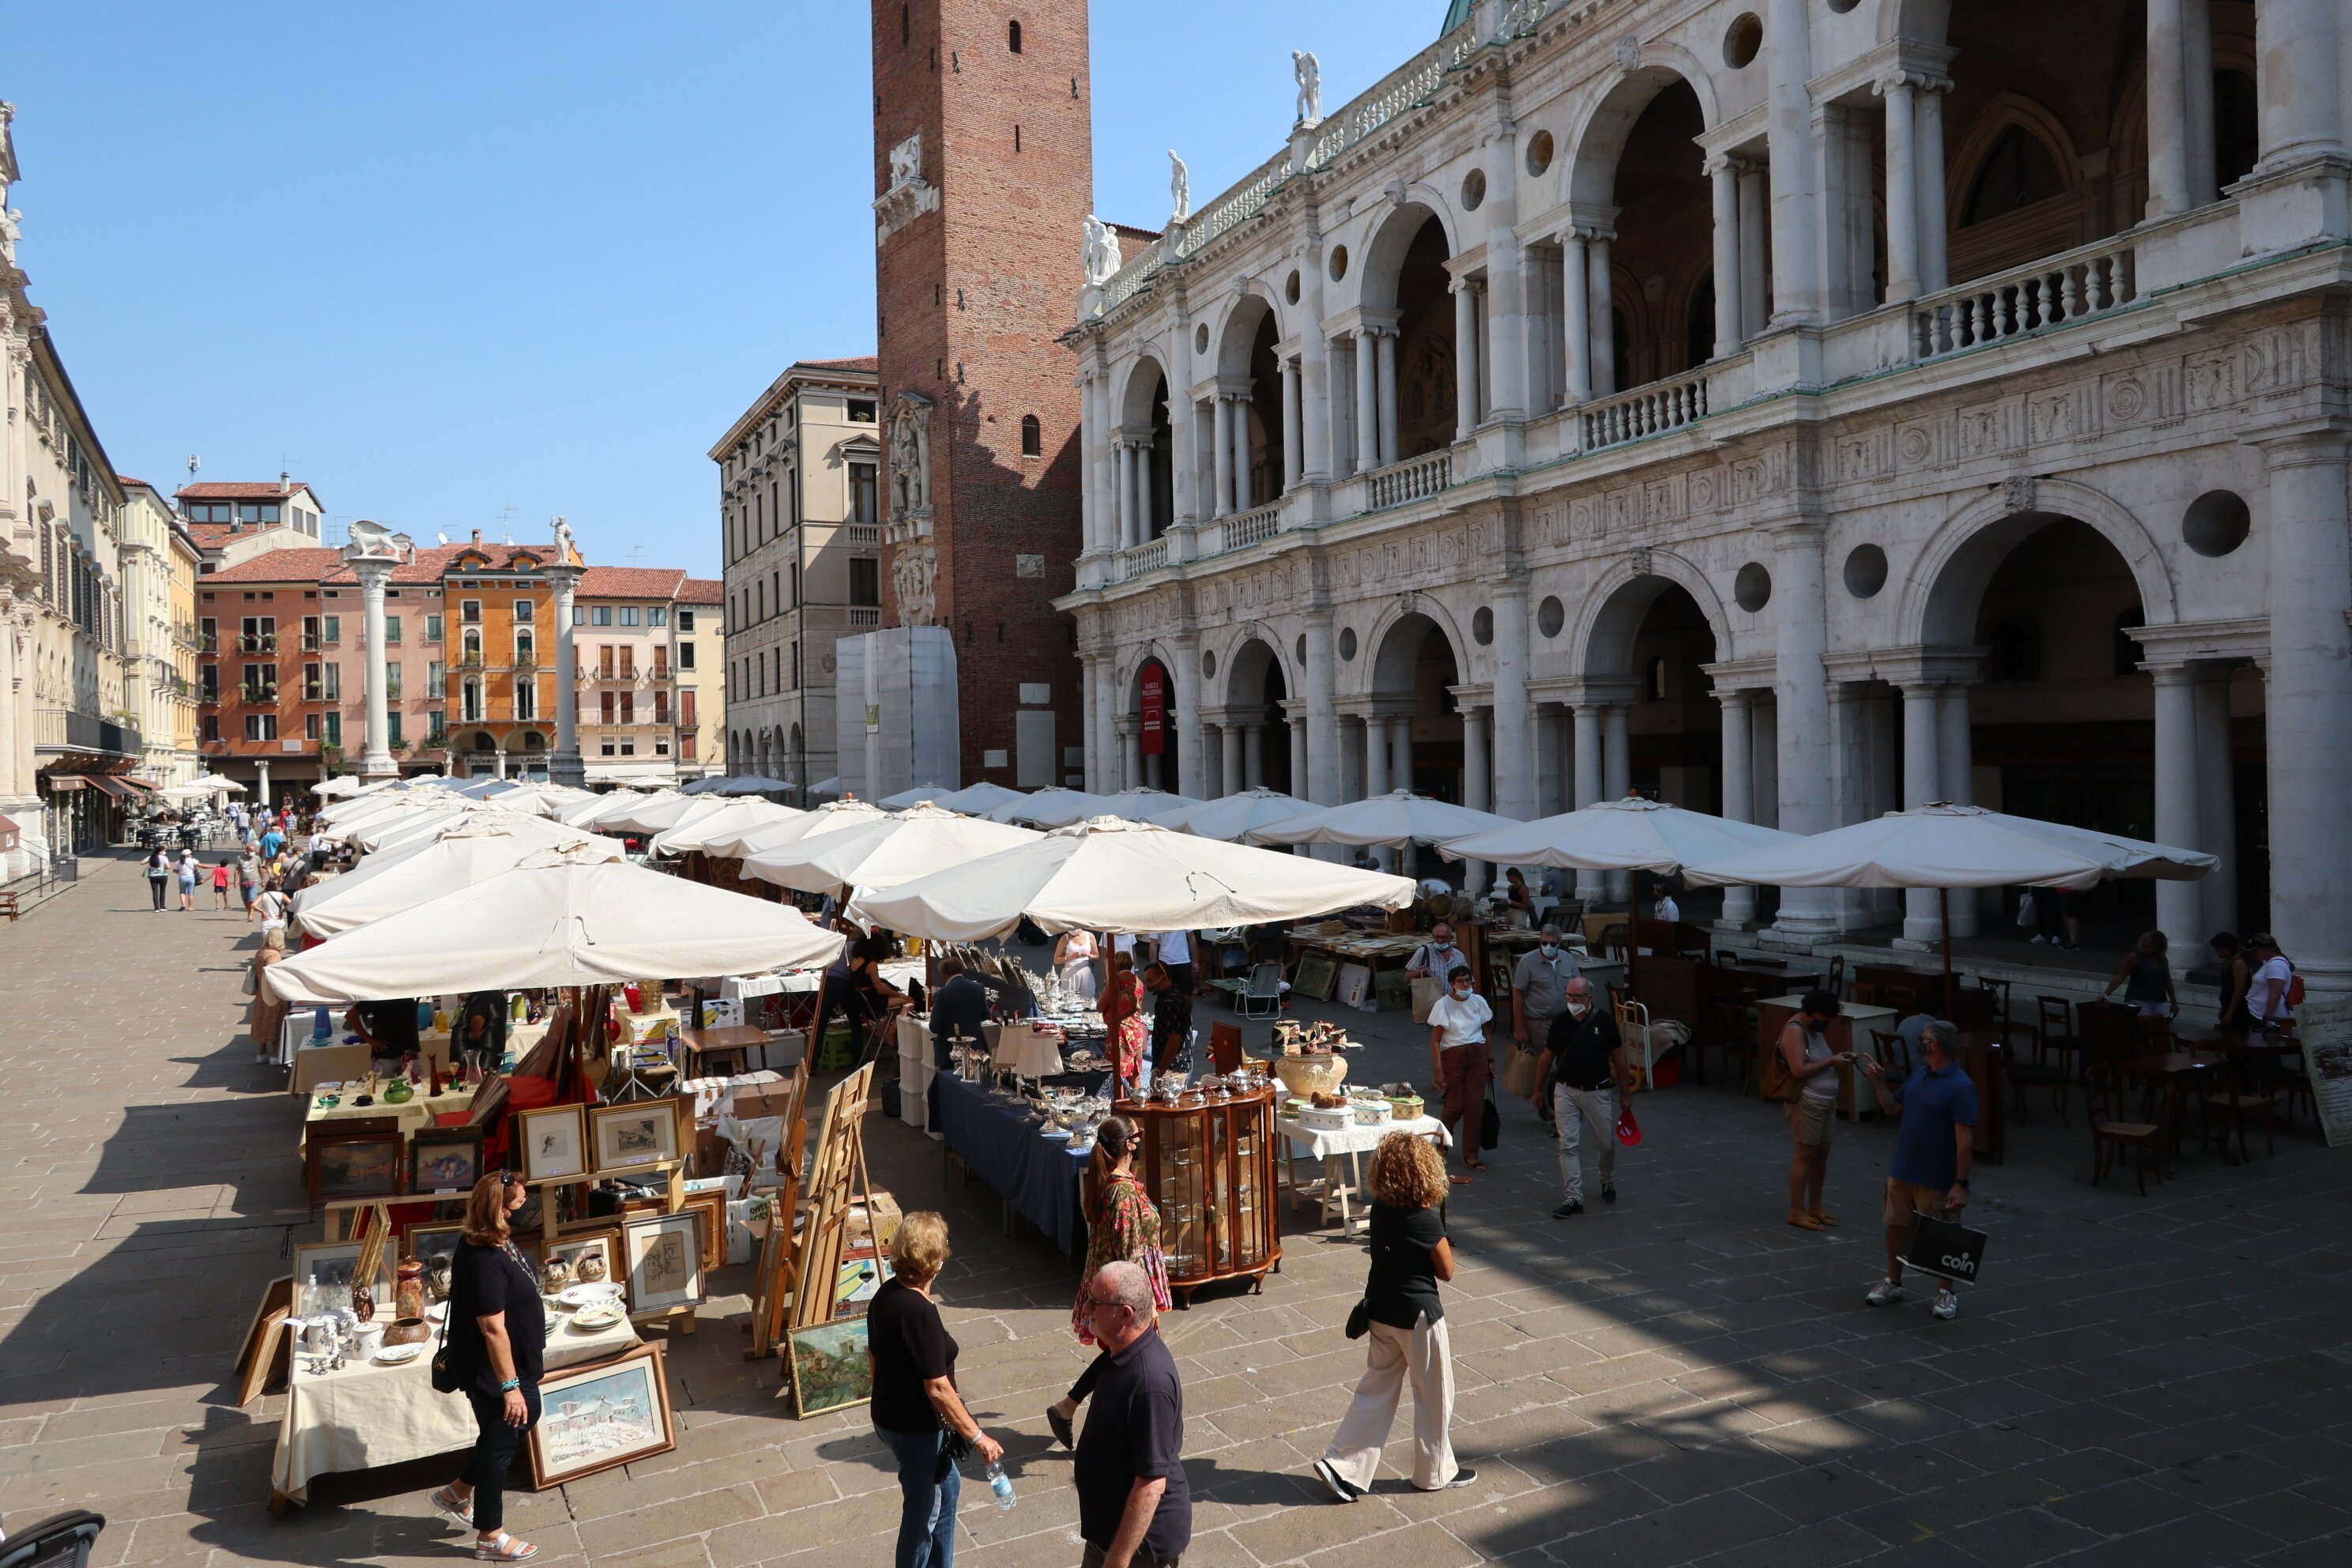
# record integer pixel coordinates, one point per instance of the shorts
(1904, 1199)
(1810, 1121)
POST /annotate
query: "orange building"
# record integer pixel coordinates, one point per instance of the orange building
(500, 710)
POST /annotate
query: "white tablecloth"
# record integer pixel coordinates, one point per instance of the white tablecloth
(367, 1416)
(1356, 1140)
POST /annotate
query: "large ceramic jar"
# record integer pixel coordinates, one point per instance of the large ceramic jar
(408, 1290)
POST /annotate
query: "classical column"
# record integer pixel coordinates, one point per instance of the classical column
(1807, 797)
(1244, 497)
(1122, 463)
(374, 573)
(1295, 710)
(1590, 784)
(1095, 441)
(1130, 737)
(1252, 756)
(1724, 184)
(2168, 112)
(565, 766)
(1220, 500)
(1476, 784)
(1293, 456)
(1233, 780)
(1465, 358)
(1928, 154)
(1183, 435)
(1922, 785)
(1738, 800)
(1755, 230)
(1320, 780)
(2217, 799)
(1789, 131)
(2180, 906)
(1601, 331)
(1576, 317)
(1089, 675)
(1956, 768)
(1350, 730)
(2296, 44)
(2197, 97)
(1376, 756)
(1901, 192)
(1617, 776)
(1400, 752)
(1515, 770)
(1315, 411)
(261, 796)
(1368, 398)
(1387, 346)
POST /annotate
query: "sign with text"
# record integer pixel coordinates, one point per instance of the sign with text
(1154, 681)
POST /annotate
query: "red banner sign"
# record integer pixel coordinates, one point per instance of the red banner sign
(1155, 710)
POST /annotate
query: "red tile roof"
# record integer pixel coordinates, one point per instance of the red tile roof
(214, 535)
(322, 565)
(631, 582)
(702, 591)
(239, 489)
(300, 565)
(870, 364)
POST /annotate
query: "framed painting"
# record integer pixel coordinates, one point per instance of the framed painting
(709, 1208)
(553, 1142)
(594, 1417)
(364, 1166)
(585, 1259)
(829, 1366)
(333, 1263)
(664, 1255)
(643, 1132)
(444, 1161)
(258, 1356)
(436, 1245)
(1316, 974)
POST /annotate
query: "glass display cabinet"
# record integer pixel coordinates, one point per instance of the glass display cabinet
(1208, 1162)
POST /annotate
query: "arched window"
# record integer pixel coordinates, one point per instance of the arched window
(1012, 36)
(1033, 435)
(2018, 171)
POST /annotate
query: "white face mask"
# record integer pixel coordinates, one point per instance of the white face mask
(1577, 1009)
(1461, 993)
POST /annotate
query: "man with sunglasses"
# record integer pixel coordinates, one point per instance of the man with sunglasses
(1134, 1507)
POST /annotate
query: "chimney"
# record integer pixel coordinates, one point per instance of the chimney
(285, 480)
(477, 536)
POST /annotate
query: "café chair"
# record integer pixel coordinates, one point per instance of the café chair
(1835, 985)
(2053, 1076)
(1726, 959)
(1863, 993)
(2000, 989)
(2236, 1097)
(2054, 1030)
(1735, 1042)
(1903, 1000)
(2110, 1134)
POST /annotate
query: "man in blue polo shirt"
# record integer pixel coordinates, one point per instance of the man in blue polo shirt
(1134, 1509)
(1930, 1173)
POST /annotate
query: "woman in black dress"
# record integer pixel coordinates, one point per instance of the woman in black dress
(496, 1329)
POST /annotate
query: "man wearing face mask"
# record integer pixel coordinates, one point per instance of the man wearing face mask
(1538, 994)
(1583, 1071)
(1458, 1063)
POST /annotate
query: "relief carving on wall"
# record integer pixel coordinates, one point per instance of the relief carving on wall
(914, 564)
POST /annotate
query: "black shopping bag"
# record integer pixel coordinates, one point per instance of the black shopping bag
(1945, 1246)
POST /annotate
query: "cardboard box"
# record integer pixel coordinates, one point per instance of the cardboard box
(772, 1096)
(710, 1156)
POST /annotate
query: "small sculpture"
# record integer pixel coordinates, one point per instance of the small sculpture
(1180, 187)
(1100, 256)
(567, 553)
(1309, 73)
(907, 161)
(371, 540)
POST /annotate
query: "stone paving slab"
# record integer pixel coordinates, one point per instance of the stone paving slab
(1678, 1378)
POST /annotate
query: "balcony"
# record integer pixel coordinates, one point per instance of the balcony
(865, 616)
(258, 696)
(59, 731)
(312, 642)
(266, 642)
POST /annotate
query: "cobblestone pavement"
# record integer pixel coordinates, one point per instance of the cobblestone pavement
(1677, 1378)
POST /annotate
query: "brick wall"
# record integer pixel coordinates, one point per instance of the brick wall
(969, 299)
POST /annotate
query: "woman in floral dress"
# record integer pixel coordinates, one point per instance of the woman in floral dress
(1122, 1227)
(1122, 1015)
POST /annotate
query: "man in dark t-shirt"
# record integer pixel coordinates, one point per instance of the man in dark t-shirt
(1134, 1506)
(1171, 1021)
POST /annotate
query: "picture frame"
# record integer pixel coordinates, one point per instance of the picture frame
(433, 1245)
(258, 1356)
(829, 1366)
(362, 1165)
(632, 1135)
(553, 1141)
(664, 1257)
(333, 1263)
(596, 1418)
(1317, 974)
(444, 1161)
(604, 1244)
(710, 1209)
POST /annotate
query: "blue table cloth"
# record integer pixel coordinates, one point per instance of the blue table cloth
(1038, 1176)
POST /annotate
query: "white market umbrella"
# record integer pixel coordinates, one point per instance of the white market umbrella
(977, 800)
(881, 853)
(215, 781)
(557, 919)
(395, 837)
(1630, 835)
(732, 819)
(1397, 818)
(368, 831)
(653, 813)
(1234, 815)
(830, 817)
(1106, 874)
(701, 786)
(1145, 804)
(750, 783)
(385, 885)
(933, 793)
(341, 787)
(1054, 807)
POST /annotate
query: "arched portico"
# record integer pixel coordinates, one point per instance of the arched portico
(1404, 355)
(1259, 738)
(1144, 448)
(1244, 463)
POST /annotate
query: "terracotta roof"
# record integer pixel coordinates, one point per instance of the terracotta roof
(630, 583)
(702, 591)
(296, 565)
(239, 489)
(868, 364)
(214, 535)
(432, 563)
(127, 479)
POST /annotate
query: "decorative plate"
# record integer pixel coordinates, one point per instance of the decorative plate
(590, 1295)
(396, 1355)
(596, 1319)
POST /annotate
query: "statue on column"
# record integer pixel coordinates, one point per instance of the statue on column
(370, 541)
(1180, 187)
(1309, 73)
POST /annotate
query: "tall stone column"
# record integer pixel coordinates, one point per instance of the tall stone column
(1107, 706)
(1738, 800)
(1901, 192)
(1387, 346)
(1788, 133)
(1475, 787)
(1089, 673)
(1617, 773)
(2180, 906)
(1222, 467)
(1190, 772)
(1465, 358)
(1400, 752)
(1553, 787)
(1515, 773)
(1956, 766)
(1601, 331)
(1755, 230)
(1130, 737)
(1183, 453)
(1235, 777)
(1376, 756)
(2299, 55)
(2168, 113)
(2197, 79)
(1922, 785)
(1293, 463)
(565, 766)
(1807, 800)
(1935, 221)
(374, 572)
(1320, 781)
(1724, 185)
(1294, 709)
(1368, 401)
(2217, 799)
(1591, 785)
(1252, 756)
(1576, 314)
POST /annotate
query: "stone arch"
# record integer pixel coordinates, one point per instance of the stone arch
(1143, 406)
(1255, 652)
(2007, 109)
(1387, 671)
(1384, 250)
(1942, 591)
(1916, 21)
(1602, 638)
(1236, 333)
(1146, 382)
(1589, 174)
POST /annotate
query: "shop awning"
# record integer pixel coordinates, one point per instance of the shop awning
(61, 783)
(114, 787)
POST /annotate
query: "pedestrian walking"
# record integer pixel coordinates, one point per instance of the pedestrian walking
(1404, 1329)
(1584, 1073)
(158, 866)
(917, 1410)
(2145, 975)
(1809, 1063)
(1934, 1147)
(248, 882)
(220, 884)
(1540, 984)
(1459, 1065)
(496, 1329)
(2237, 980)
(271, 907)
(1135, 1506)
(187, 881)
(1122, 1227)
(2274, 992)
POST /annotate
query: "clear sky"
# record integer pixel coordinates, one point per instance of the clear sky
(473, 265)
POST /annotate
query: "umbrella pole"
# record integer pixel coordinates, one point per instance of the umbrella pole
(1944, 913)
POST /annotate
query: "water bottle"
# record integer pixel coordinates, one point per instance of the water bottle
(1002, 1485)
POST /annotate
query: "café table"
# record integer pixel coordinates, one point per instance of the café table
(1333, 1191)
(2167, 1072)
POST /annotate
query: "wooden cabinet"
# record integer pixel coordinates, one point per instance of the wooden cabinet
(1208, 1162)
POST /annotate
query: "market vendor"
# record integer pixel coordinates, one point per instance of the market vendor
(958, 1010)
(389, 1028)
(479, 1035)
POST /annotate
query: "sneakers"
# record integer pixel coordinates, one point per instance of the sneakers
(1947, 1305)
(1340, 1490)
(2039, 938)
(1802, 1220)
(1463, 1477)
(1885, 1293)
(1825, 1218)
(1568, 1210)
(1608, 1192)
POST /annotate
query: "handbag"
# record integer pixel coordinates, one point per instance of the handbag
(445, 1380)
(1944, 1246)
(1490, 1122)
(1520, 1078)
(1359, 1319)
(2027, 913)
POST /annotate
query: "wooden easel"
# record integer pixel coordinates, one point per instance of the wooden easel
(799, 1263)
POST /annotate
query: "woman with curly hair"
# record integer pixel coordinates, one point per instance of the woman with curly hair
(1405, 1327)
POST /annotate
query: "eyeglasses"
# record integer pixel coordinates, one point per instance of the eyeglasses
(1096, 1304)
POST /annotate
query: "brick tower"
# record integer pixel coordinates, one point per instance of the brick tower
(984, 172)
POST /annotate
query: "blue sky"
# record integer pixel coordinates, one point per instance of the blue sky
(473, 266)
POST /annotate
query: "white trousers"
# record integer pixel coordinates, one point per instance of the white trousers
(1424, 1353)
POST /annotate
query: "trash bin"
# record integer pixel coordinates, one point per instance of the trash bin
(65, 869)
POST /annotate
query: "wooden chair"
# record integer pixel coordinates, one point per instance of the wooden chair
(2240, 1094)
(2053, 1076)
(2103, 1098)
(1836, 982)
(1617, 939)
(2000, 989)
(1225, 1047)
(1734, 1040)
(2053, 1030)
(1901, 999)
(2155, 1034)
(1863, 993)
(1726, 959)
